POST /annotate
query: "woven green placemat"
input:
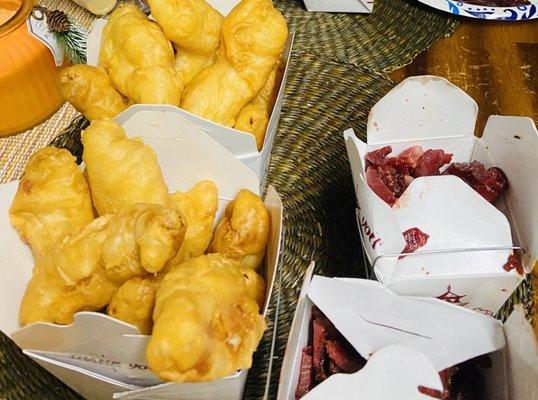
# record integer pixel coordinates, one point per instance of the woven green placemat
(334, 80)
(388, 38)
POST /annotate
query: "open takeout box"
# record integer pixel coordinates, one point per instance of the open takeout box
(340, 6)
(470, 240)
(99, 356)
(242, 145)
(406, 340)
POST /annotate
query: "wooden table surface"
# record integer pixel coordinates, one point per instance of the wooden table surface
(496, 63)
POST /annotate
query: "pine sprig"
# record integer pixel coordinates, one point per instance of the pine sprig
(73, 42)
(70, 35)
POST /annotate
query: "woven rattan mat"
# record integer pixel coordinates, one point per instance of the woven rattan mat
(337, 73)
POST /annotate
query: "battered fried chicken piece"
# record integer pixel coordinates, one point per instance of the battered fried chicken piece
(206, 323)
(199, 206)
(139, 58)
(134, 301)
(194, 28)
(243, 231)
(252, 39)
(254, 117)
(83, 272)
(89, 89)
(255, 285)
(52, 200)
(121, 171)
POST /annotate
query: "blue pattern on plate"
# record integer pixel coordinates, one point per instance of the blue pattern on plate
(518, 13)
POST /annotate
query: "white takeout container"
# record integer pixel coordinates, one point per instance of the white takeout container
(97, 355)
(340, 6)
(470, 239)
(376, 321)
(241, 144)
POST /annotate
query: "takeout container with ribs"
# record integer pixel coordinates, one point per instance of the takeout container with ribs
(242, 145)
(460, 222)
(354, 338)
(340, 6)
(99, 356)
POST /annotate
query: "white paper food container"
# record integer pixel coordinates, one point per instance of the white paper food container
(340, 6)
(375, 320)
(431, 112)
(242, 145)
(99, 356)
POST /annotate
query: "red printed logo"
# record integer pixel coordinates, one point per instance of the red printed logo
(450, 297)
(372, 239)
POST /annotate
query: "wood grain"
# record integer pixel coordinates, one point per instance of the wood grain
(496, 63)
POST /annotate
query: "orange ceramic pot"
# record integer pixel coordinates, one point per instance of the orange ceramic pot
(28, 92)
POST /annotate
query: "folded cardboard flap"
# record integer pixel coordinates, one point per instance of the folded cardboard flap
(370, 317)
(186, 155)
(512, 145)
(340, 6)
(422, 107)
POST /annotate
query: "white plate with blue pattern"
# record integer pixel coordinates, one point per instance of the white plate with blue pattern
(516, 13)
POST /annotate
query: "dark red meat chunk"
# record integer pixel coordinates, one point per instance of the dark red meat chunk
(414, 240)
(306, 375)
(431, 162)
(388, 176)
(514, 262)
(374, 181)
(412, 156)
(393, 179)
(377, 157)
(319, 352)
(489, 183)
(329, 354)
(344, 356)
(460, 382)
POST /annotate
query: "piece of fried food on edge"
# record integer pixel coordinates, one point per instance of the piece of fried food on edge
(243, 231)
(252, 39)
(206, 322)
(52, 200)
(254, 117)
(121, 171)
(199, 206)
(89, 89)
(83, 272)
(194, 28)
(134, 302)
(139, 58)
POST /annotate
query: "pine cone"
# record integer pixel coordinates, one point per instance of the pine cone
(58, 21)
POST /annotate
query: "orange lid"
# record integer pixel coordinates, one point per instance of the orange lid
(8, 9)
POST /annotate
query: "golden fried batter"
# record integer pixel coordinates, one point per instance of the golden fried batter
(121, 171)
(89, 89)
(139, 58)
(254, 117)
(199, 206)
(84, 271)
(252, 38)
(243, 231)
(255, 285)
(134, 301)
(52, 200)
(194, 28)
(207, 325)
